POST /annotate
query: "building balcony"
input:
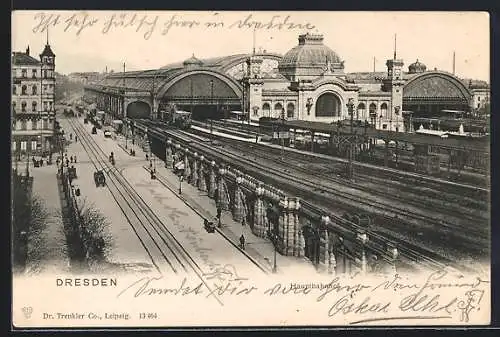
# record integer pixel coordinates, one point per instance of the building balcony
(35, 132)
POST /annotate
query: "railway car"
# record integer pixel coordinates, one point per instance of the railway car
(362, 220)
(177, 118)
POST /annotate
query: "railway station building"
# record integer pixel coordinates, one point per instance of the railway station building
(307, 83)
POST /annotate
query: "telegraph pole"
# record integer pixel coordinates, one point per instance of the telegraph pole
(350, 109)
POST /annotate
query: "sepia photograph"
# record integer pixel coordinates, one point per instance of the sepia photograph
(250, 169)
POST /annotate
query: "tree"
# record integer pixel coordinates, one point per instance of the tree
(21, 205)
(64, 85)
(37, 248)
(94, 233)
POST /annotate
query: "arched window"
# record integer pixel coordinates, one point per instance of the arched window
(33, 90)
(34, 124)
(328, 105)
(14, 90)
(373, 114)
(278, 110)
(266, 109)
(33, 106)
(45, 74)
(23, 124)
(290, 110)
(23, 106)
(361, 111)
(24, 73)
(383, 109)
(23, 90)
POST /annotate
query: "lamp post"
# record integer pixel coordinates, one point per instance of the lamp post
(211, 103)
(350, 109)
(181, 178)
(393, 253)
(364, 239)
(271, 234)
(396, 113)
(127, 125)
(282, 134)
(342, 242)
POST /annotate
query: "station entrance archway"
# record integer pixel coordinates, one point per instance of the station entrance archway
(207, 94)
(138, 109)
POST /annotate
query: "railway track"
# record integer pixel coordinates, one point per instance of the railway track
(411, 252)
(423, 231)
(166, 252)
(468, 223)
(369, 169)
(325, 181)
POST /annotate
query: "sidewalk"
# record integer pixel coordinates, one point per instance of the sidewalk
(50, 254)
(259, 249)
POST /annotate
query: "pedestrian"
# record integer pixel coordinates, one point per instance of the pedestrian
(242, 241)
(147, 157)
(67, 162)
(71, 136)
(219, 216)
(74, 158)
(76, 139)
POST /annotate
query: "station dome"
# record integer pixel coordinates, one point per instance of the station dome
(417, 67)
(309, 58)
(192, 62)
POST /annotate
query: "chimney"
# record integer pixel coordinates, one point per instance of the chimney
(28, 51)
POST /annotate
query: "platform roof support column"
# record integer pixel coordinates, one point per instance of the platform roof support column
(212, 180)
(202, 185)
(259, 223)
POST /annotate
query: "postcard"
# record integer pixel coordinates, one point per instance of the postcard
(181, 169)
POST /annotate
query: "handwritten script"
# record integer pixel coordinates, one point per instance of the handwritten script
(147, 24)
(396, 299)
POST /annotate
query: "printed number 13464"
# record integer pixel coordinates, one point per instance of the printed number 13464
(148, 315)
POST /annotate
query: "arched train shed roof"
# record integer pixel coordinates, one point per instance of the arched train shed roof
(146, 80)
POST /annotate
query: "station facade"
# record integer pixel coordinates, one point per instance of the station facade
(307, 83)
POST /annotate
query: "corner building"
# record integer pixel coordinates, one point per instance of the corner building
(307, 83)
(32, 105)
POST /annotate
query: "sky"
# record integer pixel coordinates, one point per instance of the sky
(94, 40)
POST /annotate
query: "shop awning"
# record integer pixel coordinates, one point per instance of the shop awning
(117, 121)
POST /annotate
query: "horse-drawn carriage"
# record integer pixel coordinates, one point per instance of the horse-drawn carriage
(99, 179)
(72, 172)
(209, 226)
